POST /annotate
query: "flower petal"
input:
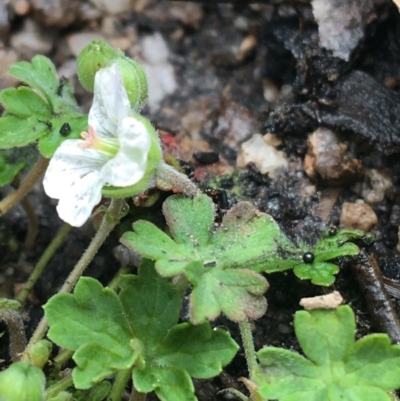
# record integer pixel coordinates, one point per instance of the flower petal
(110, 102)
(69, 165)
(130, 163)
(76, 206)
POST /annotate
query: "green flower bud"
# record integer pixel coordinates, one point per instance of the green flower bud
(22, 382)
(93, 57)
(134, 78)
(40, 352)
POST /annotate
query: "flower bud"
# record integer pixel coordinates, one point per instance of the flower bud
(39, 353)
(93, 57)
(134, 79)
(22, 382)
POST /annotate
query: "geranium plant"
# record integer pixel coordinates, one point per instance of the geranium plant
(132, 334)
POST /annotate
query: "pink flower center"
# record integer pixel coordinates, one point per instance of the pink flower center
(92, 141)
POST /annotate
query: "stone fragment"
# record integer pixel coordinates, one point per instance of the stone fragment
(190, 14)
(327, 200)
(113, 6)
(380, 181)
(267, 159)
(77, 41)
(358, 215)
(160, 73)
(232, 124)
(270, 90)
(246, 47)
(328, 159)
(31, 40)
(7, 58)
(328, 301)
(21, 7)
(341, 24)
(56, 13)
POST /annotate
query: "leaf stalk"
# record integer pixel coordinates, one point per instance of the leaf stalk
(121, 379)
(30, 180)
(168, 174)
(248, 345)
(42, 263)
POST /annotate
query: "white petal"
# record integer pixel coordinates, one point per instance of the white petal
(110, 102)
(69, 165)
(76, 206)
(130, 163)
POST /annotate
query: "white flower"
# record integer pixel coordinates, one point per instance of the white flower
(113, 152)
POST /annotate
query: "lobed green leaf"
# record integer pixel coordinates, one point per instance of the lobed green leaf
(91, 321)
(190, 221)
(24, 102)
(16, 132)
(39, 74)
(338, 368)
(238, 293)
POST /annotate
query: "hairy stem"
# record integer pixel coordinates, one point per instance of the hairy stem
(16, 332)
(118, 387)
(248, 345)
(61, 385)
(167, 174)
(110, 220)
(26, 185)
(41, 264)
(63, 357)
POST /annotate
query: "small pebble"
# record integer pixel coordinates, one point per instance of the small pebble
(31, 40)
(270, 90)
(7, 58)
(56, 13)
(380, 181)
(21, 7)
(160, 73)
(113, 6)
(328, 159)
(77, 41)
(266, 158)
(328, 301)
(247, 47)
(358, 216)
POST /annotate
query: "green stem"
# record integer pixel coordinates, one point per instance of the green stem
(118, 387)
(166, 174)
(63, 357)
(248, 345)
(114, 284)
(110, 220)
(41, 264)
(61, 385)
(30, 180)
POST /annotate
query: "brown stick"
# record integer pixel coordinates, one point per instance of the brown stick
(380, 307)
